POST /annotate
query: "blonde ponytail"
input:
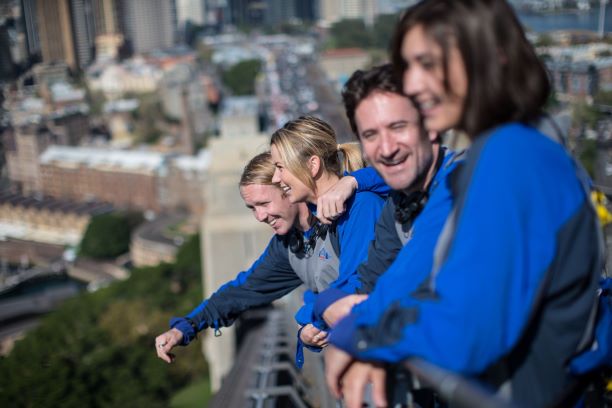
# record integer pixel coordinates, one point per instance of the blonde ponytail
(351, 156)
(307, 136)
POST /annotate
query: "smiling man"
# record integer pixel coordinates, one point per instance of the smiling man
(411, 161)
(415, 165)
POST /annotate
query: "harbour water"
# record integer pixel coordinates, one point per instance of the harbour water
(567, 20)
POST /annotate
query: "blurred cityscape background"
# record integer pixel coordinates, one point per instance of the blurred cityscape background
(124, 126)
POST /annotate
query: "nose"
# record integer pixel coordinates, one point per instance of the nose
(411, 81)
(276, 176)
(388, 145)
(260, 214)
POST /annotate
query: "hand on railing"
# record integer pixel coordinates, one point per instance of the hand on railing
(347, 378)
(312, 336)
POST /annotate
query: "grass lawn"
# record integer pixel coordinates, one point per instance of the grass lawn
(195, 395)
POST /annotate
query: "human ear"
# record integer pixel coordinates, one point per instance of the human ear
(314, 165)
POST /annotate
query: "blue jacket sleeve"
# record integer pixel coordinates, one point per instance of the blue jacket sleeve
(471, 311)
(268, 279)
(381, 253)
(368, 179)
(355, 231)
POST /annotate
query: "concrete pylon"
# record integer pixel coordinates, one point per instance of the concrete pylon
(232, 238)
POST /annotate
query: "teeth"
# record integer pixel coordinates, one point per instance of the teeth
(271, 223)
(426, 104)
(394, 163)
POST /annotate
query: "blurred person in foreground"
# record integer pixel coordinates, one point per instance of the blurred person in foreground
(510, 296)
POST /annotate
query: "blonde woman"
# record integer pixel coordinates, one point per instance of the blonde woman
(281, 268)
(308, 163)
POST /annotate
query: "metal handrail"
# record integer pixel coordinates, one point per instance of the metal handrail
(454, 389)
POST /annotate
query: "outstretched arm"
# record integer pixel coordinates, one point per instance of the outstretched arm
(268, 279)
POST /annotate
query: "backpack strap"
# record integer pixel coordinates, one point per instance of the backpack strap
(334, 238)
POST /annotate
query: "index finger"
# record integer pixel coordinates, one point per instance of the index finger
(161, 353)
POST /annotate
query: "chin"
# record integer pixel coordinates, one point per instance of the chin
(398, 183)
(278, 231)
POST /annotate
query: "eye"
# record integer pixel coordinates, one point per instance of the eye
(428, 63)
(368, 135)
(398, 125)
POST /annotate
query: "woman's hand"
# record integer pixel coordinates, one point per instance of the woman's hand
(166, 342)
(312, 336)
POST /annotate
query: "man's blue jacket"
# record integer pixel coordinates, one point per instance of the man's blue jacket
(514, 282)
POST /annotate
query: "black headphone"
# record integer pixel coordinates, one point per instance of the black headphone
(408, 207)
(298, 244)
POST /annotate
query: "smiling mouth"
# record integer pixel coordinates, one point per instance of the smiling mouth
(393, 163)
(286, 189)
(426, 106)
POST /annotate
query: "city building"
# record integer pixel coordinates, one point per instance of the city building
(306, 10)
(84, 29)
(139, 180)
(55, 32)
(7, 66)
(70, 126)
(332, 11)
(45, 219)
(240, 116)
(126, 179)
(148, 24)
(247, 12)
(105, 17)
(339, 64)
(183, 94)
(580, 71)
(23, 146)
(183, 185)
(29, 15)
(158, 241)
(193, 11)
(118, 115)
(116, 79)
(108, 36)
(46, 74)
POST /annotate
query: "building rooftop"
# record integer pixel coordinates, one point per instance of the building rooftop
(197, 163)
(127, 160)
(54, 205)
(344, 52)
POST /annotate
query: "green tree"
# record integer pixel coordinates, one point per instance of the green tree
(544, 40)
(383, 29)
(147, 117)
(349, 33)
(97, 349)
(588, 155)
(107, 236)
(585, 115)
(240, 78)
(603, 98)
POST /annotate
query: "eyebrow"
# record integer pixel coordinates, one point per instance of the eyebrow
(391, 124)
(257, 203)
